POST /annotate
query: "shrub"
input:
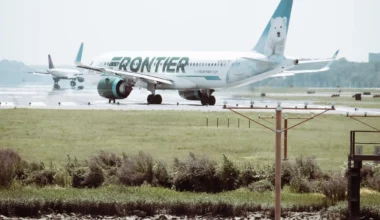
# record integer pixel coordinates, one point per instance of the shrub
(308, 168)
(108, 161)
(335, 188)
(94, 177)
(366, 173)
(228, 175)
(41, 178)
(299, 184)
(10, 165)
(288, 171)
(261, 186)
(63, 178)
(316, 186)
(249, 175)
(374, 182)
(136, 170)
(160, 175)
(77, 176)
(195, 174)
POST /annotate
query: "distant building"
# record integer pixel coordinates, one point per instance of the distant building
(374, 57)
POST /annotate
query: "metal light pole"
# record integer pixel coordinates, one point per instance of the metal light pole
(278, 163)
(278, 132)
(286, 137)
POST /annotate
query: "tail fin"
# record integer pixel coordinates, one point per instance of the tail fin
(78, 58)
(51, 65)
(273, 39)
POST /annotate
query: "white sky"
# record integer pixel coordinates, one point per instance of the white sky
(30, 29)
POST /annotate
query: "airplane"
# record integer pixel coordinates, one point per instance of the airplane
(58, 74)
(196, 75)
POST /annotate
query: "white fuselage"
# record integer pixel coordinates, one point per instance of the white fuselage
(64, 73)
(195, 70)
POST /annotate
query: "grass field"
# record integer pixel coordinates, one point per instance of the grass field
(51, 135)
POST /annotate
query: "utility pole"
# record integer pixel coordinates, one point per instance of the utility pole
(278, 163)
(278, 130)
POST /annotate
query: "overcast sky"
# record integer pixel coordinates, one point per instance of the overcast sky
(30, 29)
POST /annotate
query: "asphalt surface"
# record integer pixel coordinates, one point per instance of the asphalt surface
(86, 97)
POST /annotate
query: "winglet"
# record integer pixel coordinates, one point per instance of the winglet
(78, 59)
(335, 54)
(332, 59)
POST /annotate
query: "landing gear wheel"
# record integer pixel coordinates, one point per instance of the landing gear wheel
(212, 100)
(72, 83)
(114, 101)
(56, 86)
(204, 100)
(157, 99)
(150, 99)
(109, 101)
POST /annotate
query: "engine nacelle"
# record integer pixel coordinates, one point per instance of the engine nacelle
(80, 79)
(190, 94)
(113, 88)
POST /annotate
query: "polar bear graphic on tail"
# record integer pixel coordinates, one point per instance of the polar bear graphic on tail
(276, 39)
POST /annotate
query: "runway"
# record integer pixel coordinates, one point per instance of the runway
(46, 97)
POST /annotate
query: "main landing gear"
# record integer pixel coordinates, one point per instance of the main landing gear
(154, 99)
(73, 83)
(206, 97)
(56, 85)
(112, 100)
(208, 100)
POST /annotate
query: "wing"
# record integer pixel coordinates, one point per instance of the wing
(323, 69)
(125, 74)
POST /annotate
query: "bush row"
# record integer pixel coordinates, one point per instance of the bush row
(194, 173)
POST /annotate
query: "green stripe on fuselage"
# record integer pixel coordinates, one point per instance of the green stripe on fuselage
(206, 77)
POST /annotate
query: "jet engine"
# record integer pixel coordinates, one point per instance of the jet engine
(80, 79)
(190, 94)
(113, 88)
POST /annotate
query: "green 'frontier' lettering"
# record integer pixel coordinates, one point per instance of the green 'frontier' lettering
(159, 59)
(140, 64)
(172, 63)
(147, 64)
(135, 64)
(124, 63)
(165, 63)
(182, 63)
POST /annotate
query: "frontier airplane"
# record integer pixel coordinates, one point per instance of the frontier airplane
(196, 75)
(59, 74)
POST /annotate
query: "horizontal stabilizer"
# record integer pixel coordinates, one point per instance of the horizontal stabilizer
(323, 69)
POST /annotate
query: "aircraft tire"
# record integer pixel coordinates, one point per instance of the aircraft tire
(72, 83)
(157, 99)
(204, 100)
(150, 99)
(212, 100)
